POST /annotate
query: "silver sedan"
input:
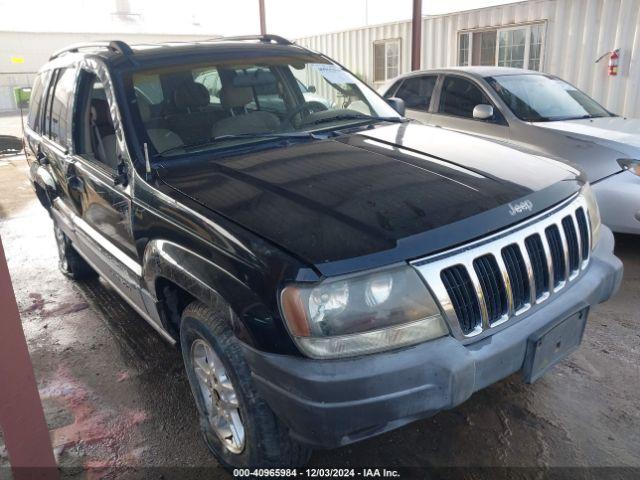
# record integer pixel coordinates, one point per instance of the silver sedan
(542, 114)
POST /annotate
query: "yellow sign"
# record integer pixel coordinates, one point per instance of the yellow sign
(17, 59)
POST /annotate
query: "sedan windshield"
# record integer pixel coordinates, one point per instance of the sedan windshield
(542, 98)
(218, 105)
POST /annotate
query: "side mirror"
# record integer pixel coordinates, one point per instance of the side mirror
(397, 104)
(121, 176)
(311, 88)
(482, 112)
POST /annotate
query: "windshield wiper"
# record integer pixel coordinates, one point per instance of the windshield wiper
(221, 138)
(353, 116)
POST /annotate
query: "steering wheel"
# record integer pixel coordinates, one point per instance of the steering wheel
(309, 107)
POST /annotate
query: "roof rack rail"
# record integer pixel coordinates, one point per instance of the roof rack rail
(268, 38)
(113, 45)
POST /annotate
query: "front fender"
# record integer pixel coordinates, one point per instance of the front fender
(201, 278)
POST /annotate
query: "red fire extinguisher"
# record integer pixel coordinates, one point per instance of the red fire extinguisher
(613, 63)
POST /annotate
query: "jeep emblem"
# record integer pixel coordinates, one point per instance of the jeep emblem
(516, 208)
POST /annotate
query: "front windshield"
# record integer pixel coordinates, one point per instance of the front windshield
(231, 103)
(541, 98)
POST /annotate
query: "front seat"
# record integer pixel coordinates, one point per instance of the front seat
(235, 100)
(102, 133)
(161, 138)
(190, 117)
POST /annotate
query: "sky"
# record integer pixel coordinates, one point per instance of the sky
(289, 18)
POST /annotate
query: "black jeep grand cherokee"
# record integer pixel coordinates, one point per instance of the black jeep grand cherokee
(330, 270)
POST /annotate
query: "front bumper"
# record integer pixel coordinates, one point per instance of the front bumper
(335, 402)
(619, 202)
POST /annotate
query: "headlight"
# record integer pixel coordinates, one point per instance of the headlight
(630, 164)
(594, 213)
(361, 314)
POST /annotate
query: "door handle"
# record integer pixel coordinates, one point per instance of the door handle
(41, 158)
(75, 184)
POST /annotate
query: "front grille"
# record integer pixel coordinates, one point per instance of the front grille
(557, 254)
(538, 258)
(572, 243)
(486, 283)
(465, 301)
(518, 276)
(584, 232)
(492, 284)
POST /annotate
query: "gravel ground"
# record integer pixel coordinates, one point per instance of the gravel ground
(116, 398)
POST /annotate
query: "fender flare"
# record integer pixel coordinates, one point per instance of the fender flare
(198, 276)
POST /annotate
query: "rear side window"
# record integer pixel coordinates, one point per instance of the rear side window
(460, 96)
(149, 88)
(59, 127)
(210, 78)
(35, 103)
(416, 92)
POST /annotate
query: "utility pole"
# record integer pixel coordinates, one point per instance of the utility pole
(263, 21)
(416, 35)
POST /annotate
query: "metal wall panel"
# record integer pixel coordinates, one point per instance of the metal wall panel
(36, 48)
(577, 33)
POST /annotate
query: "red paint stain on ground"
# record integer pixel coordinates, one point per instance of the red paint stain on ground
(90, 425)
(38, 305)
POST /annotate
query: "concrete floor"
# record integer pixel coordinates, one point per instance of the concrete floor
(117, 400)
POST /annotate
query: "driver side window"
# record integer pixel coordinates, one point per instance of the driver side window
(97, 136)
(459, 97)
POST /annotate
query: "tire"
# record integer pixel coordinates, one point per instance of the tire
(70, 262)
(266, 442)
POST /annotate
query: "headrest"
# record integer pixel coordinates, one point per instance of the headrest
(234, 97)
(99, 111)
(191, 95)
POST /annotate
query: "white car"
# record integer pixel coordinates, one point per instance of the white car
(542, 114)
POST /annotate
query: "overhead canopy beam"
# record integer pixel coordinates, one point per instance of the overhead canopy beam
(263, 20)
(416, 35)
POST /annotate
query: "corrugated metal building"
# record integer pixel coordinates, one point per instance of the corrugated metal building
(23, 53)
(561, 37)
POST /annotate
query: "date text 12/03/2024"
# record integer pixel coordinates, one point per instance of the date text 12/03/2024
(317, 472)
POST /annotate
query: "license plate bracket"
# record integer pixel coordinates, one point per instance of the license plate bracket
(547, 347)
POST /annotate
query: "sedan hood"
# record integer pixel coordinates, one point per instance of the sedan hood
(376, 197)
(617, 133)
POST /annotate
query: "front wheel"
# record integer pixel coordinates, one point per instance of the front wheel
(238, 426)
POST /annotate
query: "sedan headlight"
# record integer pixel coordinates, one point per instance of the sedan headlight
(594, 214)
(630, 164)
(361, 314)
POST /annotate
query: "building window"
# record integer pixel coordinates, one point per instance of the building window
(463, 49)
(519, 47)
(535, 46)
(386, 60)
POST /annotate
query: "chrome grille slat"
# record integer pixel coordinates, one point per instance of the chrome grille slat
(529, 269)
(565, 251)
(507, 286)
(486, 283)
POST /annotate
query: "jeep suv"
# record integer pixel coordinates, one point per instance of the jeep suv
(329, 269)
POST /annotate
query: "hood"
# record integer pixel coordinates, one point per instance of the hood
(617, 133)
(375, 197)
